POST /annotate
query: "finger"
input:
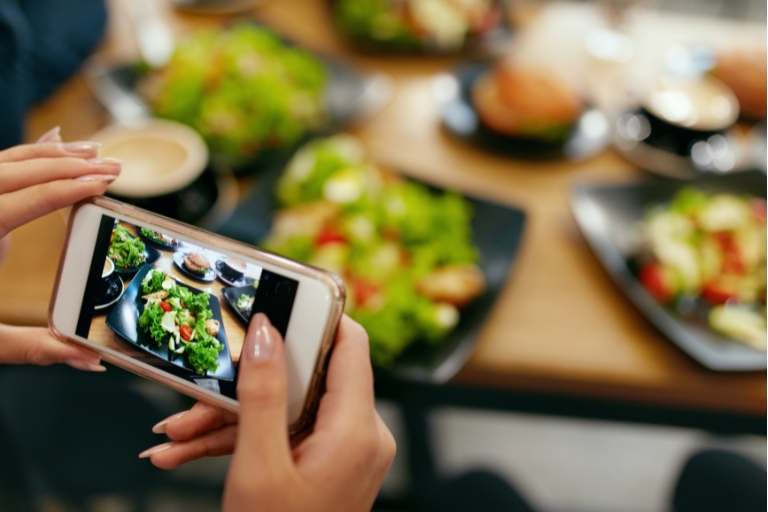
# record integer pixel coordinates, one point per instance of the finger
(52, 135)
(18, 208)
(262, 391)
(200, 419)
(349, 382)
(78, 149)
(213, 444)
(27, 173)
(35, 345)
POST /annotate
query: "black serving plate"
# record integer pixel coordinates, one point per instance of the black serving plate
(160, 245)
(590, 135)
(150, 253)
(350, 95)
(232, 294)
(124, 321)
(497, 232)
(111, 292)
(606, 216)
(492, 43)
(178, 259)
(241, 281)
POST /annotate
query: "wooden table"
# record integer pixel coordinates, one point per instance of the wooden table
(560, 327)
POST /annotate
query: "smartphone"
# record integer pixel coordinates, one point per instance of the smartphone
(172, 303)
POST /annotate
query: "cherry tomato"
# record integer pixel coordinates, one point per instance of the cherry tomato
(720, 290)
(185, 332)
(330, 235)
(731, 255)
(364, 290)
(658, 281)
(165, 307)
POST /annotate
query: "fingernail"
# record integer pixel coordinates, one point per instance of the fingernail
(81, 146)
(79, 364)
(259, 345)
(160, 427)
(155, 449)
(51, 135)
(105, 161)
(108, 178)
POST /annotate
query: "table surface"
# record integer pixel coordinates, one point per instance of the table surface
(560, 326)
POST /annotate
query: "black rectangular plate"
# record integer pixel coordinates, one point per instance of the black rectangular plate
(232, 294)
(606, 215)
(497, 232)
(124, 321)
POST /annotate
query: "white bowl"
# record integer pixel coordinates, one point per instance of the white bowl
(159, 156)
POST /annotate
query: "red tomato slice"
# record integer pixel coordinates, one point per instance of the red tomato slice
(329, 235)
(364, 290)
(165, 307)
(658, 281)
(185, 332)
(731, 255)
(719, 291)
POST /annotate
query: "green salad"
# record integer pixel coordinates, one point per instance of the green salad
(159, 237)
(244, 304)
(125, 250)
(405, 253)
(177, 316)
(243, 89)
(408, 25)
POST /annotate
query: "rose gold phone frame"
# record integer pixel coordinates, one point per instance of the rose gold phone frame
(332, 281)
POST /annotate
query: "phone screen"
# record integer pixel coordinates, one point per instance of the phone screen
(177, 306)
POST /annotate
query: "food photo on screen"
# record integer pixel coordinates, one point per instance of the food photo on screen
(177, 306)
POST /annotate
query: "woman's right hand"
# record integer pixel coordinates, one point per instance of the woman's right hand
(338, 467)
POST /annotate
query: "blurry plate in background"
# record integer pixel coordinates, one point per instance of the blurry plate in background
(497, 232)
(492, 42)
(350, 96)
(607, 216)
(216, 6)
(590, 135)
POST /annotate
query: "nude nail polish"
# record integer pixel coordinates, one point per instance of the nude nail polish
(79, 364)
(80, 146)
(160, 427)
(105, 161)
(259, 345)
(51, 135)
(108, 178)
(155, 449)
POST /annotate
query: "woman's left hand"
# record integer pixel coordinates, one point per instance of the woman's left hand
(35, 180)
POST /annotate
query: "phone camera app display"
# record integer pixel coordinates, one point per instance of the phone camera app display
(177, 306)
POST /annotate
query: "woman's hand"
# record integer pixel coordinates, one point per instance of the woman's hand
(339, 466)
(37, 179)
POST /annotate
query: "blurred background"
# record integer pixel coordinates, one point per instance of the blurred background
(567, 301)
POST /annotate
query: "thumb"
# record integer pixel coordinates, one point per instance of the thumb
(262, 391)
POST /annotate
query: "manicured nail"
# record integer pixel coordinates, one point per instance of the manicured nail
(81, 146)
(105, 161)
(160, 427)
(259, 345)
(108, 178)
(51, 135)
(155, 449)
(79, 364)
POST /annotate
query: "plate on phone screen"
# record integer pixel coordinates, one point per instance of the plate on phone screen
(497, 232)
(123, 320)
